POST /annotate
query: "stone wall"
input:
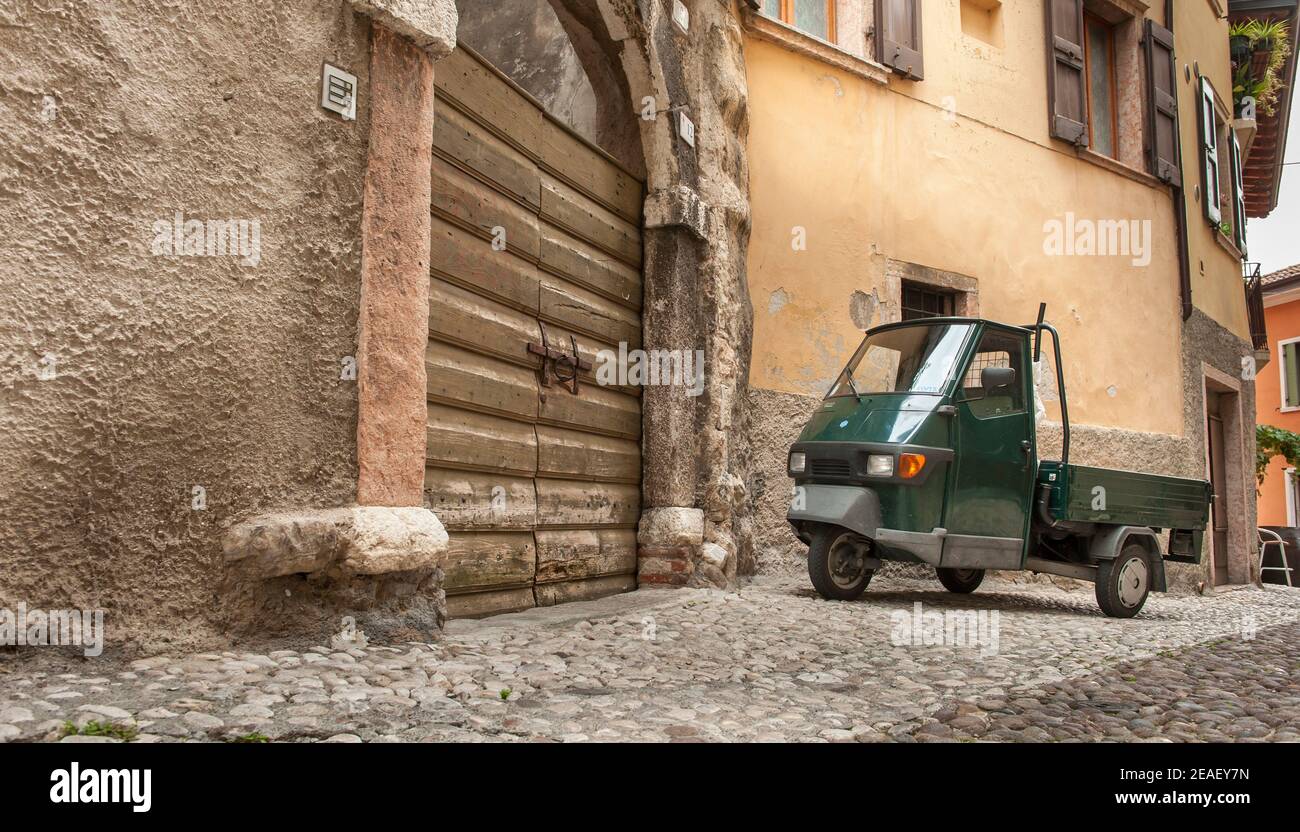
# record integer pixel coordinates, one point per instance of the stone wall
(132, 379)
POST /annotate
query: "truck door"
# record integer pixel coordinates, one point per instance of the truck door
(995, 460)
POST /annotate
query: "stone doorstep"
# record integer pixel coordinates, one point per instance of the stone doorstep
(354, 540)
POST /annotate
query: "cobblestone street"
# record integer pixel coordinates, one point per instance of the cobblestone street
(769, 663)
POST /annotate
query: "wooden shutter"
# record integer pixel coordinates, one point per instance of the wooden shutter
(1162, 105)
(1239, 197)
(898, 37)
(1066, 97)
(1210, 174)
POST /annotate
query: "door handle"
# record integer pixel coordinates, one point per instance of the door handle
(562, 366)
(1026, 445)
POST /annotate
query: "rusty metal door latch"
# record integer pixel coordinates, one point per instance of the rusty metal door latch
(565, 368)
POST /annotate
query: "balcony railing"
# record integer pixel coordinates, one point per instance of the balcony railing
(1255, 304)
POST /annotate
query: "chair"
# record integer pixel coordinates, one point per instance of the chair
(1276, 540)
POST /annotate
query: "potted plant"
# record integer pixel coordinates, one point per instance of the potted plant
(1268, 39)
(1259, 50)
(1240, 40)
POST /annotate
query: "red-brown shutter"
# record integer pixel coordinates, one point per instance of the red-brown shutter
(1162, 105)
(898, 37)
(1066, 98)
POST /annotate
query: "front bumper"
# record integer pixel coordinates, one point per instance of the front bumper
(858, 510)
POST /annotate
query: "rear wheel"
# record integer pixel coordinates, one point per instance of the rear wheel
(837, 563)
(961, 581)
(1123, 583)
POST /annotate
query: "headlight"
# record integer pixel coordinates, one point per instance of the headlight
(797, 463)
(879, 465)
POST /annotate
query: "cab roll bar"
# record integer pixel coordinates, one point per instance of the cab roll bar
(1038, 329)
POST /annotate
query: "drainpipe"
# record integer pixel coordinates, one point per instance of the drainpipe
(1180, 201)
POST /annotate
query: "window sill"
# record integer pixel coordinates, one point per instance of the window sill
(1116, 166)
(774, 31)
(1227, 245)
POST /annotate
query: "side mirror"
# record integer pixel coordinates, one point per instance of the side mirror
(994, 379)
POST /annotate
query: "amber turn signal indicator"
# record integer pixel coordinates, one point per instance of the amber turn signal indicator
(909, 465)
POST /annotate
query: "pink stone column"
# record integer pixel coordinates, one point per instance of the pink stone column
(394, 318)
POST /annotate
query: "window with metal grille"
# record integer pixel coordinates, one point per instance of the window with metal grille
(996, 349)
(920, 301)
(982, 360)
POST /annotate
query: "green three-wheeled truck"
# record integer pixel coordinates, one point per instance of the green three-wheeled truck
(926, 451)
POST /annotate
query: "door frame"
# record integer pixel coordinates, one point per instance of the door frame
(1289, 485)
(1236, 500)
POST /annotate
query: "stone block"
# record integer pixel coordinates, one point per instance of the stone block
(430, 24)
(671, 526)
(357, 540)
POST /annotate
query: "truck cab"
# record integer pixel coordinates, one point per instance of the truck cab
(926, 450)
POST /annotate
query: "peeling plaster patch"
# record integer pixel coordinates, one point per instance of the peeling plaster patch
(1047, 382)
(839, 88)
(862, 308)
(777, 301)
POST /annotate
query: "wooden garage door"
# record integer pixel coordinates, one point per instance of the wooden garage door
(539, 487)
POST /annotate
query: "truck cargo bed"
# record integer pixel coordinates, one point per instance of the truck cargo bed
(1104, 495)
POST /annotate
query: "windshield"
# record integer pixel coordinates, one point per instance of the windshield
(914, 359)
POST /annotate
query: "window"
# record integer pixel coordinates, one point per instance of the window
(921, 301)
(816, 17)
(1098, 74)
(996, 349)
(1099, 59)
(1289, 366)
(1223, 196)
(910, 359)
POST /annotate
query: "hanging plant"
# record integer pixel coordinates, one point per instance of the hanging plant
(1271, 442)
(1259, 49)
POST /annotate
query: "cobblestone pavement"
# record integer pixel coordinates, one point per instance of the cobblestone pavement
(770, 663)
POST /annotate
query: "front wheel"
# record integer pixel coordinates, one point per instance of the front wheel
(1123, 583)
(960, 581)
(837, 564)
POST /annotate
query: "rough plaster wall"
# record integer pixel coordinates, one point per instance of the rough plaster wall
(171, 371)
(775, 422)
